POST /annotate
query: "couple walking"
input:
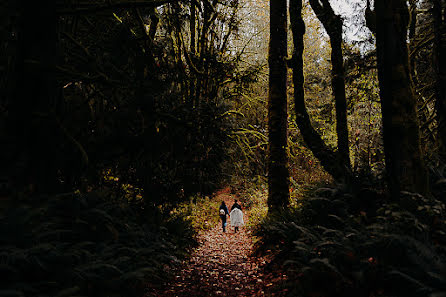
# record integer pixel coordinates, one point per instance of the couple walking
(236, 215)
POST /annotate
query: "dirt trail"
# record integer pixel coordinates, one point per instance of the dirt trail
(220, 266)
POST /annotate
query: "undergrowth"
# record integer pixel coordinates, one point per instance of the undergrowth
(93, 244)
(339, 243)
(255, 200)
(201, 211)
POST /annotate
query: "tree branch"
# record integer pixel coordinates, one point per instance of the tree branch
(90, 9)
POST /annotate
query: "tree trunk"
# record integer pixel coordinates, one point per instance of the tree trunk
(338, 85)
(192, 27)
(404, 161)
(439, 18)
(333, 25)
(278, 175)
(193, 41)
(328, 158)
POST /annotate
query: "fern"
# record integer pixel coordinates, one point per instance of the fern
(387, 251)
(86, 245)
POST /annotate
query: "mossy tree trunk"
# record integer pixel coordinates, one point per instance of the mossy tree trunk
(333, 25)
(334, 163)
(439, 19)
(278, 175)
(404, 162)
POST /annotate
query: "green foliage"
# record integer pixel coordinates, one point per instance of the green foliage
(150, 132)
(256, 201)
(248, 141)
(87, 245)
(201, 212)
(304, 167)
(364, 107)
(339, 244)
(139, 94)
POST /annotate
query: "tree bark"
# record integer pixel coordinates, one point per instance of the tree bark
(404, 162)
(278, 175)
(333, 25)
(192, 27)
(370, 18)
(439, 18)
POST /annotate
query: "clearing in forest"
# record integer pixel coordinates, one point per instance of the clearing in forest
(222, 265)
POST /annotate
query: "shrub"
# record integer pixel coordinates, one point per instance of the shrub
(201, 212)
(86, 245)
(256, 201)
(334, 244)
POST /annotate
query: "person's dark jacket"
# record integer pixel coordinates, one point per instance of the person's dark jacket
(223, 206)
(236, 205)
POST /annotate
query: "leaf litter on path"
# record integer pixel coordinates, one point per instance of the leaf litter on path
(222, 265)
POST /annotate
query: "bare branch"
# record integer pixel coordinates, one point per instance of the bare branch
(94, 8)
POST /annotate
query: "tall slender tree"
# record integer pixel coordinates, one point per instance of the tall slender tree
(278, 175)
(404, 163)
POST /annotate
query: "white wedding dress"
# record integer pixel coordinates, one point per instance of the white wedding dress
(236, 218)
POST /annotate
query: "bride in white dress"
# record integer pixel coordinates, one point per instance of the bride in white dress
(236, 216)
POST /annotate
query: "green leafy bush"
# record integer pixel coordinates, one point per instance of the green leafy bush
(86, 245)
(256, 201)
(200, 211)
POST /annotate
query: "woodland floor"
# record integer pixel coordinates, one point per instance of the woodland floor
(222, 265)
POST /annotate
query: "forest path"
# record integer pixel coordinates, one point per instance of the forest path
(221, 265)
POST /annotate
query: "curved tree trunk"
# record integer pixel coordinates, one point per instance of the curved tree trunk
(333, 25)
(329, 159)
(404, 162)
(278, 175)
